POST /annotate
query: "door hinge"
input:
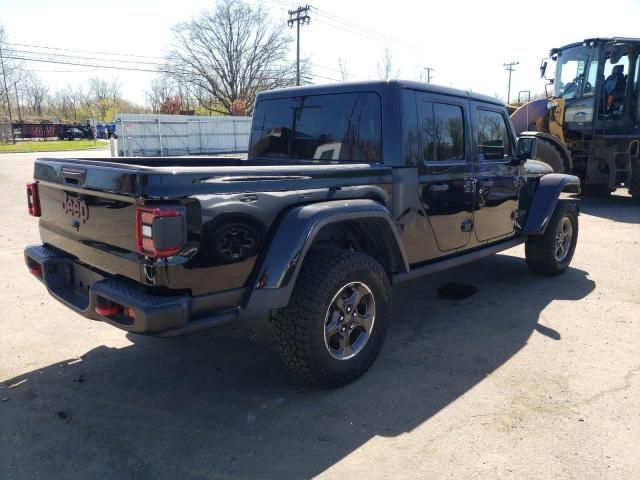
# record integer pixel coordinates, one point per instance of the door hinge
(469, 185)
(518, 214)
(467, 225)
(518, 181)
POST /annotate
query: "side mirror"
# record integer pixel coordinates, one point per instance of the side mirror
(543, 68)
(526, 148)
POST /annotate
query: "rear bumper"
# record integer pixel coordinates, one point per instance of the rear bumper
(82, 289)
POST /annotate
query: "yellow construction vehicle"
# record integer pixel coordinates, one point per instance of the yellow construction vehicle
(590, 123)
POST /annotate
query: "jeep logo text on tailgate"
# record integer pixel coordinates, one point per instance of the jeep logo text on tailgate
(76, 208)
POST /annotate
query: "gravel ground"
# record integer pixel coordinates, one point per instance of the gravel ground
(530, 377)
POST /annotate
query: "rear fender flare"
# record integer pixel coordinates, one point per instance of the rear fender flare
(545, 198)
(279, 267)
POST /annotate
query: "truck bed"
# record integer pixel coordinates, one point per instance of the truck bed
(89, 209)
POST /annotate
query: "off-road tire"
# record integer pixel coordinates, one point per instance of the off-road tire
(634, 185)
(300, 326)
(548, 153)
(540, 250)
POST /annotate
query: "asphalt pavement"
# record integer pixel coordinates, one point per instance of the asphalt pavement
(528, 378)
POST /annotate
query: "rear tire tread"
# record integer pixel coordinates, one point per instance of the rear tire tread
(294, 324)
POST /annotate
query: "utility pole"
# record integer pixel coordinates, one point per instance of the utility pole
(429, 70)
(509, 68)
(301, 17)
(6, 92)
(15, 85)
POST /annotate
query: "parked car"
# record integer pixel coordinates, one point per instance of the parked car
(347, 190)
(71, 132)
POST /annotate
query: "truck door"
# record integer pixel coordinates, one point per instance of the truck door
(446, 172)
(497, 174)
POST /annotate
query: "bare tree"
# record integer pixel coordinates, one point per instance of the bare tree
(68, 102)
(73, 98)
(13, 70)
(420, 74)
(342, 68)
(35, 93)
(386, 66)
(160, 90)
(229, 54)
(103, 95)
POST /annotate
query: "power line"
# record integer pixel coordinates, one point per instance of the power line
(112, 67)
(82, 51)
(352, 26)
(62, 56)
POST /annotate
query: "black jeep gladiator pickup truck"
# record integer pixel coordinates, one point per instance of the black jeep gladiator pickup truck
(347, 190)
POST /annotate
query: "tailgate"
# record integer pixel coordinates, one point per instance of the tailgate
(90, 213)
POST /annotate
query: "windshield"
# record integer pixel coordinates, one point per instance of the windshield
(343, 126)
(570, 68)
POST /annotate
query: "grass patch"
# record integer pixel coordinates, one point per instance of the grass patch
(51, 146)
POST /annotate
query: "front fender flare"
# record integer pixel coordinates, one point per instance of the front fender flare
(545, 198)
(279, 267)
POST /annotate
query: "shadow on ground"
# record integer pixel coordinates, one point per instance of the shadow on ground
(616, 207)
(220, 404)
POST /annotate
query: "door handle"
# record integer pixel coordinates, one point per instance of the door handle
(485, 183)
(438, 187)
(73, 176)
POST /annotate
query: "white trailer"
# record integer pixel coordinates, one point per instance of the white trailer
(145, 135)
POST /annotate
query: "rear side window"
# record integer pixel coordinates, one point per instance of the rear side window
(492, 136)
(345, 126)
(442, 132)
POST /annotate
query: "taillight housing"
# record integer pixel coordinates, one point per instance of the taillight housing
(161, 230)
(33, 199)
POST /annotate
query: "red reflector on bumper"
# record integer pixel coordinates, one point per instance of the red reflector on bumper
(36, 270)
(108, 310)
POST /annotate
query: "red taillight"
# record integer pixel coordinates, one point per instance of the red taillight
(33, 199)
(160, 231)
(36, 269)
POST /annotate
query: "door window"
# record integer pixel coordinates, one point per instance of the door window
(442, 132)
(492, 136)
(615, 84)
(589, 87)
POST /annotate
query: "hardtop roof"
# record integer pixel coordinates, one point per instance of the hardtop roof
(377, 86)
(598, 39)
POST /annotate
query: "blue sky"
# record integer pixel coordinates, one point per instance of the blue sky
(466, 42)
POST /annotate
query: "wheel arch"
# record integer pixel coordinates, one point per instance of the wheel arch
(363, 225)
(544, 199)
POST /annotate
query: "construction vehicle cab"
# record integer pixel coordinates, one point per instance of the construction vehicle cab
(590, 124)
